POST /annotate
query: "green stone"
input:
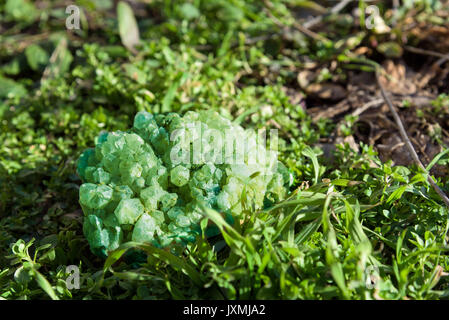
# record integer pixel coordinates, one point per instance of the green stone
(179, 176)
(111, 221)
(122, 192)
(223, 201)
(133, 141)
(101, 176)
(174, 213)
(128, 211)
(133, 190)
(89, 173)
(102, 137)
(182, 221)
(144, 229)
(95, 196)
(115, 236)
(168, 201)
(139, 183)
(151, 197)
(143, 120)
(100, 238)
(159, 216)
(82, 162)
(111, 163)
(131, 170)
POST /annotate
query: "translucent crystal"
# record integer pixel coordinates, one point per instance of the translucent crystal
(179, 176)
(144, 229)
(122, 192)
(182, 221)
(174, 212)
(128, 211)
(101, 176)
(151, 197)
(95, 196)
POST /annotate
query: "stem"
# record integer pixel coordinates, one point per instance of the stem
(407, 142)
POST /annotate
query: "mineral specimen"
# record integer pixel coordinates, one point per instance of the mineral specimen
(148, 184)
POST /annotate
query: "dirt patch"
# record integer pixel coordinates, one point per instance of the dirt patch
(412, 93)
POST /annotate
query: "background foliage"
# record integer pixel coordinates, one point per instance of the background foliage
(59, 89)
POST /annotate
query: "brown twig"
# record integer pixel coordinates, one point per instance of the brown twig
(366, 106)
(443, 57)
(296, 25)
(426, 52)
(336, 9)
(407, 141)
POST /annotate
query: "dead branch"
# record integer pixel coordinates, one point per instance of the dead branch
(407, 141)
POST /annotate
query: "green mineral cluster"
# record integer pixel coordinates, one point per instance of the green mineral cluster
(149, 184)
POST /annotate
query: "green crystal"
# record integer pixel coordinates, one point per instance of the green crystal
(128, 211)
(101, 176)
(151, 197)
(115, 237)
(174, 212)
(144, 229)
(159, 216)
(95, 196)
(182, 221)
(133, 188)
(168, 200)
(122, 192)
(179, 176)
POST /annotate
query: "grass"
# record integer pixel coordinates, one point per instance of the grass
(348, 216)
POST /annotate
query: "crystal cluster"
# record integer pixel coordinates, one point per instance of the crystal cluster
(149, 184)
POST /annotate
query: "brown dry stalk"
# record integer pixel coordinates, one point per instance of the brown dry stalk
(443, 57)
(407, 141)
(427, 52)
(334, 10)
(299, 27)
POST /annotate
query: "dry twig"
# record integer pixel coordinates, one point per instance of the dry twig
(296, 25)
(443, 57)
(336, 9)
(366, 106)
(407, 141)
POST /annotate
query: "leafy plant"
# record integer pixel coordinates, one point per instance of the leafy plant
(351, 226)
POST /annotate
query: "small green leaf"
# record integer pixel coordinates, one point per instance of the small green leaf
(308, 152)
(188, 11)
(9, 88)
(22, 276)
(45, 285)
(21, 11)
(396, 194)
(307, 231)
